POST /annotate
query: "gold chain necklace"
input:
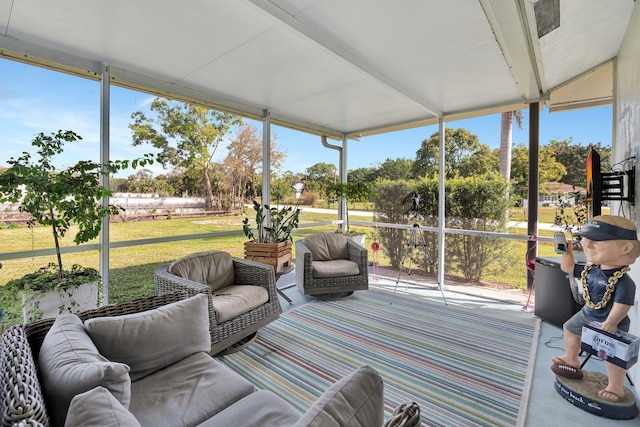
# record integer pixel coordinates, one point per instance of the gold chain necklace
(611, 285)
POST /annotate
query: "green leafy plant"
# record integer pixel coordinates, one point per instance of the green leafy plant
(273, 224)
(355, 192)
(58, 199)
(571, 216)
(34, 285)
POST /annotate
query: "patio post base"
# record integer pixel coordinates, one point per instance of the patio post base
(583, 393)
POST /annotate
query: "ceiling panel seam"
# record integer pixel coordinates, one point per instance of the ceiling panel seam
(334, 47)
(6, 28)
(212, 60)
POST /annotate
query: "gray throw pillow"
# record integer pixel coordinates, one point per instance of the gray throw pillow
(153, 339)
(70, 364)
(98, 407)
(354, 401)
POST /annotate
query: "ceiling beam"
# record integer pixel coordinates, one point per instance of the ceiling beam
(518, 43)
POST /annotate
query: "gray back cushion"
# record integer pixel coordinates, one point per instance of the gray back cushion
(213, 268)
(356, 400)
(327, 246)
(154, 339)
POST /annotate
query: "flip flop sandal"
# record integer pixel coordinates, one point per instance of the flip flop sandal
(617, 399)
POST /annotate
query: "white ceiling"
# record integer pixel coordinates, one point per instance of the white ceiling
(333, 67)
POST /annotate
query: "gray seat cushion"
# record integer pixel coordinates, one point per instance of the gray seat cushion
(235, 300)
(259, 409)
(186, 393)
(335, 268)
(356, 400)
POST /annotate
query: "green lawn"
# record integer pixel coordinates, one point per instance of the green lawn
(131, 268)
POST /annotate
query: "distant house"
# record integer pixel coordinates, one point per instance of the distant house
(554, 192)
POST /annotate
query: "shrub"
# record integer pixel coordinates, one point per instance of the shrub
(390, 206)
(470, 204)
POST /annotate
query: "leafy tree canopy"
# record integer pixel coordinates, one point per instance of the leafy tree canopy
(318, 175)
(395, 169)
(186, 135)
(60, 198)
(464, 154)
(574, 156)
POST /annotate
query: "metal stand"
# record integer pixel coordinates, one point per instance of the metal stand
(279, 274)
(412, 243)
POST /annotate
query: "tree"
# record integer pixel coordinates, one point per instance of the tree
(244, 160)
(142, 182)
(364, 175)
(483, 161)
(506, 128)
(186, 136)
(391, 205)
(461, 146)
(349, 192)
(574, 157)
(550, 170)
(319, 174)
(60, 198)
(395, 169)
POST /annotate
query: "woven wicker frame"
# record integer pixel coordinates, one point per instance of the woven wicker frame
(310, 285)
(246, 272)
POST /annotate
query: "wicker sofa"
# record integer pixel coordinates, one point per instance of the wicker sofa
(227, 282)
(194, 390)
(330, 263)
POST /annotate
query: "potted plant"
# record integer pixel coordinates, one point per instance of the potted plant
(58, 199)
(356, 192)
(270, 241)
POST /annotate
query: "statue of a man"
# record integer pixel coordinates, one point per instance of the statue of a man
(610, 244)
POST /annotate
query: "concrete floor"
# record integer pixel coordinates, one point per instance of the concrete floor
(545, 407)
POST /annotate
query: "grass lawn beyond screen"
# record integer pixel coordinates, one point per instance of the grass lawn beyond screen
(131, 268)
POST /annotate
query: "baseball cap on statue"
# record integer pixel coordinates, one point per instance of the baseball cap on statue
(599, 230)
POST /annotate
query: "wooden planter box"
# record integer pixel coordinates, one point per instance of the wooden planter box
(277, 255)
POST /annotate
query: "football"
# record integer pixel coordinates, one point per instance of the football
(567, 371)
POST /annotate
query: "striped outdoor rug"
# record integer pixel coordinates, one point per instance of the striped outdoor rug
(463, 366)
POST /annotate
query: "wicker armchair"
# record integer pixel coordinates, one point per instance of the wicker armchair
(330, 263)
(225, 332)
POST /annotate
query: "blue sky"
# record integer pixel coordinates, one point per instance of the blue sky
(34, 100)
